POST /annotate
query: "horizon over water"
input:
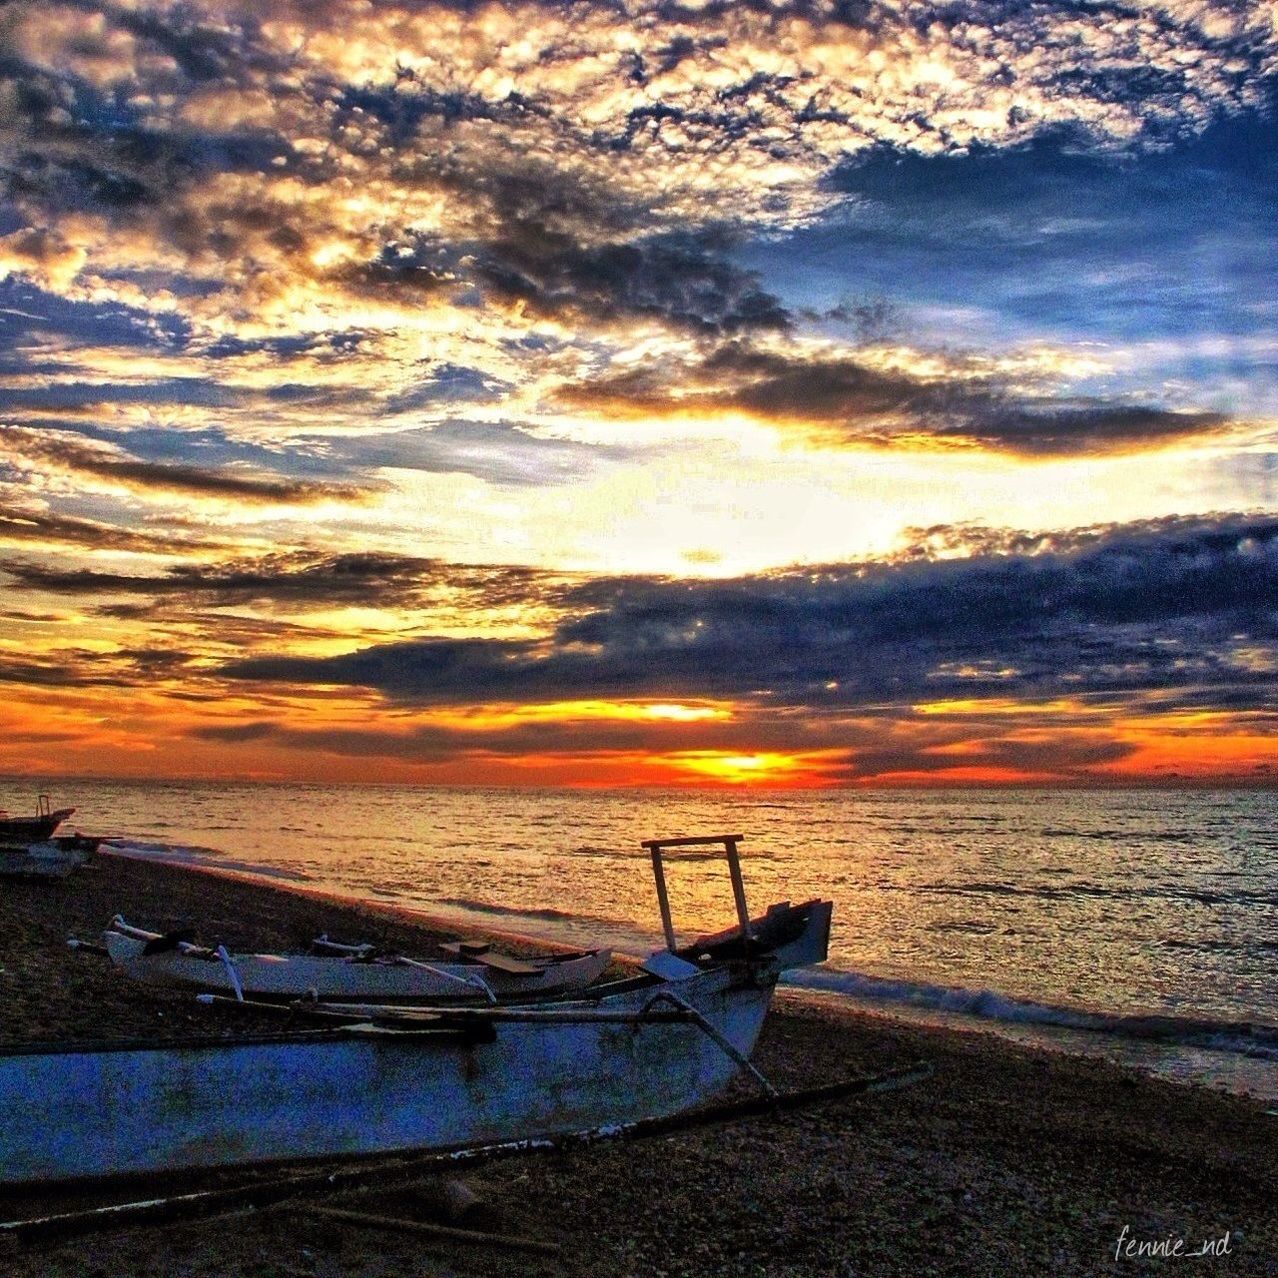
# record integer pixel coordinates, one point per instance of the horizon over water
(1139, 924)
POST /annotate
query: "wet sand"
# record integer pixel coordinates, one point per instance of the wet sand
(1008, 1161)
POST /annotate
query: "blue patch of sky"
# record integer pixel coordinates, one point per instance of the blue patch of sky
(1175, 251)
(207, 446)
(27, 311)
(449, 384)
(500, 453)
(80, 395)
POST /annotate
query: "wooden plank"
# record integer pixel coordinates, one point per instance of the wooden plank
(490, 958)
(663, 897)
(692, 841)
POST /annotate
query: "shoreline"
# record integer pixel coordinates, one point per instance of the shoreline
(1008, 1158)
(408, 915)
(1219, 1069)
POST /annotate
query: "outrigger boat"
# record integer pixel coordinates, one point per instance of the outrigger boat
(44, 860)
(29, 849)
(419, 1079)
(19, 831)
(48, 859)
(350, 972)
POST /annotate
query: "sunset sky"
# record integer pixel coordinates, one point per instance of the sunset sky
(640, 393)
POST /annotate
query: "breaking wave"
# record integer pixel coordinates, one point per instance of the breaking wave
(195, 855)
(543, 915)
(1246, 1038)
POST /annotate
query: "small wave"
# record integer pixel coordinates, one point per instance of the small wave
(973, 927)
(945, 828)
(1124, 836)
(1100, 891)
(193, 854)
(141, 848)
(545, 915)
(1242, 1037)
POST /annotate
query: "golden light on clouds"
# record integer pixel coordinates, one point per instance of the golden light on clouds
(565, 394)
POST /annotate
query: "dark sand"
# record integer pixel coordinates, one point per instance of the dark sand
(1006, 1162)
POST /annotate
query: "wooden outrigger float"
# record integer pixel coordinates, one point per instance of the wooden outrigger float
(352, 972)
(381, 1081)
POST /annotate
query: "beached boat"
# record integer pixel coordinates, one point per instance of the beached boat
(46, 859)
(33, 829)
(350, 972)
(416, 1079)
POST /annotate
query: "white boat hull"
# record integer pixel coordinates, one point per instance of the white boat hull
(296, 975)
(43, 860)
(79, 1113)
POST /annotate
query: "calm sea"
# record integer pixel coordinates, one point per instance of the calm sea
(1142, 925)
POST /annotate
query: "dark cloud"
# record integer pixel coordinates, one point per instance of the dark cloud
(316, 345)
(301, 579)
(202, 52)
(1058, 756)
(547, 254)
(81, 668)
(234, 733)
(79, 151)
(18, 523)
(835, 749)
(561, 242)
(72, 454)
(565, 736)
(1132, 610)
(684, 280)
(847, 400)
(75, 145)
(1045, 428)
(294, 578)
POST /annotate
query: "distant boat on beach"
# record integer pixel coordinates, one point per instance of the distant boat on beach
(33, 829)
(348, 972)
(377, 1080)
(29, 849)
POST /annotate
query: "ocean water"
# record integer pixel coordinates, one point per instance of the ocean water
(1141, 925)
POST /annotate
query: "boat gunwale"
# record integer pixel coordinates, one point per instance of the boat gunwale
(446, 1035)
(449, 1033)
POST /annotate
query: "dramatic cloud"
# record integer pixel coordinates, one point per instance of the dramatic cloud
(297, 579)
(1133, 610)
(850, 399)
(43, 256)
(613, 380)
(41, 527)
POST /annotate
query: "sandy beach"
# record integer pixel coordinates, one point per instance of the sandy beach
(1006, 1161)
